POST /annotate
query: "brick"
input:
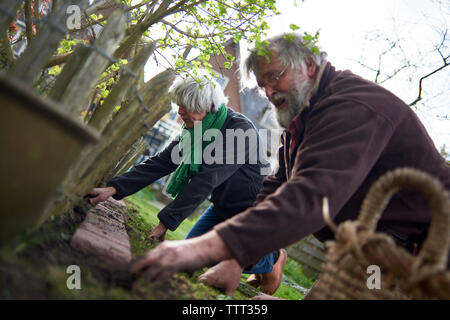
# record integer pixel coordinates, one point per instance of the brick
(103, 234)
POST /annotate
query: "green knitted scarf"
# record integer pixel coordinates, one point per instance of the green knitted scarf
(187, 169)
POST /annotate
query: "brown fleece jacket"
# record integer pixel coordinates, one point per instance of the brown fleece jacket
(352, 132)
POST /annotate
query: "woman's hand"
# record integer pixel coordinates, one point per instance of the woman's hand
(101, 194)
(159, 232)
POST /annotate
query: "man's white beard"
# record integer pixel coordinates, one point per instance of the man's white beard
(295, 101)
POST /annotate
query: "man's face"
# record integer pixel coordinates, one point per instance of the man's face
(190, 117)
(285, 88)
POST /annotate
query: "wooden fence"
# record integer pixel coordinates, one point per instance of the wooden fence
(141, 104)
(310, 253)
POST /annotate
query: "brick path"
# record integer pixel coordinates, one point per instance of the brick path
(103, 234)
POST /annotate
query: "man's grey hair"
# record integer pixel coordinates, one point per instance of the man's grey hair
(198, 93)
(292, 52)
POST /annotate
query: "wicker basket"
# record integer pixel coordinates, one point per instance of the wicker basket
(402, 276)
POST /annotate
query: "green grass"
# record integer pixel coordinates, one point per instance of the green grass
(140, 225)
(294, 273)
(142, 202)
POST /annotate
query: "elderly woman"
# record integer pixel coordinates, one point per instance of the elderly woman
(229, 171)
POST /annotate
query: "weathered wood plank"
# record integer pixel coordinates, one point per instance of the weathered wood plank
(128, 159)
(83, 69)
(305, 260)
(140, 147)
(7, 47)
(52, 31)
(101, 115)
(132, 122)
(120, 134)
(8, 10)
(309, 252)
(315, 242)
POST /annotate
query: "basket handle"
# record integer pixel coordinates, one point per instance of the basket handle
(435, 247)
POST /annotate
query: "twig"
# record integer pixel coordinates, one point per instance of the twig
(419, 97)
(56, 60)
(99, 21)
(28, 21)
(36, 14)
(188, 34)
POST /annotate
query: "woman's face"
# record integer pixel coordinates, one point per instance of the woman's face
(190, 117)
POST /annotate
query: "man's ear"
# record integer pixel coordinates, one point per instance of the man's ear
(311, 67)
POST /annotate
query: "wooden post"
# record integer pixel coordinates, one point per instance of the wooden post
(8, 10)
(120, 134)
(130, 124)
(27, 67)
(8, 49)
(79, 76)
(310, 253)
(101, 115)
(130, 157)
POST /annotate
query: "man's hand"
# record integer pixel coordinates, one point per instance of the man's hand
(158, 233)
(101, 194)
(182, 255)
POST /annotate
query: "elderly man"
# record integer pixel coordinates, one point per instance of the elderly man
(342, 133)
(230, 168)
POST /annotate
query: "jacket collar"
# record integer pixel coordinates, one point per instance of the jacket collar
(316, 85)
(319, 84)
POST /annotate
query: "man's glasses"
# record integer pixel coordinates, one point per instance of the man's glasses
(272, 79)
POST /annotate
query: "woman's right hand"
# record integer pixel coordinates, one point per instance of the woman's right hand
(101, 194)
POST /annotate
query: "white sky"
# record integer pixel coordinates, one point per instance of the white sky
(343, 26)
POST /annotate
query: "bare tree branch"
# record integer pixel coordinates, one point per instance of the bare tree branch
(56, 60)
(419, 97)
(101, 20)
(28, 21)
(36, 14)
(188, 34)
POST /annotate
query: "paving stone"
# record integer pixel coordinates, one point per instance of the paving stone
(103, 234)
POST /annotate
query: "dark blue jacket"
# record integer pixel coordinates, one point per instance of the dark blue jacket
(232, 184)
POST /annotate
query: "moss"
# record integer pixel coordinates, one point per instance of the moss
(293, 271)
(138, 230)
(33, 266)
(288, 293)
(143, 216)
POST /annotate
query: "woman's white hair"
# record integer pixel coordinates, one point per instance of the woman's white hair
(292, 52)
(198, 93)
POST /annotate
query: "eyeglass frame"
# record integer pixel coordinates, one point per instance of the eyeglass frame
(273, 79)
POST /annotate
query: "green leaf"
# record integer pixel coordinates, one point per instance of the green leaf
(229, 57)
(289, 37)
(222, 9)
